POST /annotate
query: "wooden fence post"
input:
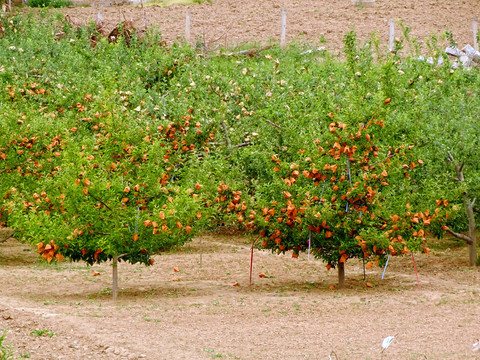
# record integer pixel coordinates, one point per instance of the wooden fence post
(284, 27)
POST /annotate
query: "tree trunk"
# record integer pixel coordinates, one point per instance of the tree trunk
(115, 277)
(472, 233)
(471, 239)
(341, 275)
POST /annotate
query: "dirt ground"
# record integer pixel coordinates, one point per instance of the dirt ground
(232, 22)
(197, 313)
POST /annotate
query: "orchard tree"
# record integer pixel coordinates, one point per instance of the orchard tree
(342, 198)
(117, 191)
(89, 168)
(436, 108)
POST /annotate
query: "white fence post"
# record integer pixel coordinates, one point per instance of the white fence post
(284, 27)
(475, 33)
(391, 36)
(145, 19)
(187, 26)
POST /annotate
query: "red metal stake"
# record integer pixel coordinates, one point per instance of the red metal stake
(251, 261)
(416, 273)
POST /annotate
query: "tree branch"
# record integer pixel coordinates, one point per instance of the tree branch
(8, 236)
(458, 167)
(101, 201)
(225, 132)
(272, 123)
(382, 161)
(234, 146)
(215, 91)
(249, 52)
(460, 236)
(166, 94)
(450, 157)
(242, 145)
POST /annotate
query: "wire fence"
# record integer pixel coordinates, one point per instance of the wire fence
(212, 30)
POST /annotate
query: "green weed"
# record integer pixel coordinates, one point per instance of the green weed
(6, 351)
(39, 333)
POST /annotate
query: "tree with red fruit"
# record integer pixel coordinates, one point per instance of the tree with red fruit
(119, 189)
(338, 200)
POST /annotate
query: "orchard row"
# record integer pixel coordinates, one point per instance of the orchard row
(120, 150)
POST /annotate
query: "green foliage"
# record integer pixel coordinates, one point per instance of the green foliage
(49, 3)
(449, 36)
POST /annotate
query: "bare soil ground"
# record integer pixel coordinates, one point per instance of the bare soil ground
(232, 22)
(197, 313)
